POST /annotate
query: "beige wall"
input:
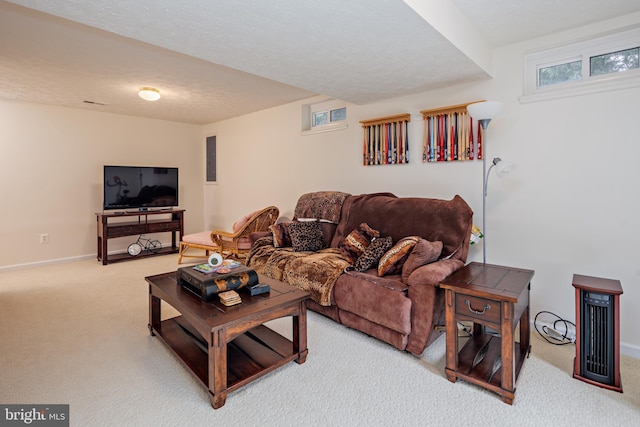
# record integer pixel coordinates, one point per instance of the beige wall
(51, 161)
(569, 207)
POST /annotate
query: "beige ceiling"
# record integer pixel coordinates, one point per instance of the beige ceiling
(216, 59)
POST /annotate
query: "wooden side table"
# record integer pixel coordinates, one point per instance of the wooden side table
(495, 297)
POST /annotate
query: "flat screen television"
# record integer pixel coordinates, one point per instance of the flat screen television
(140, 187)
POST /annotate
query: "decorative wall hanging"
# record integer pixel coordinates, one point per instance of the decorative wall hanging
(448, 135)
(386, 140)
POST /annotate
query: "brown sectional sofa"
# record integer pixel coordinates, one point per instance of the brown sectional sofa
(401, 312)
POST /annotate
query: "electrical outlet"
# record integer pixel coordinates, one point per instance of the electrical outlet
(44, 238)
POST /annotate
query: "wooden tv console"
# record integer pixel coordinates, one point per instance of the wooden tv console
(136, 223)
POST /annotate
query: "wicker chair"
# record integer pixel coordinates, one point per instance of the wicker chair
(234, 244)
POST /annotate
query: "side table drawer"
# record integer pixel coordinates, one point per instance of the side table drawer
(485, 310)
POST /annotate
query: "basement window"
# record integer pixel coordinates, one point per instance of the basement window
(605, 63)
(324, 116)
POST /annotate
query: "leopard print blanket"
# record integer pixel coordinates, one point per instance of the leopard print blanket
(314, 272)
(326, 205)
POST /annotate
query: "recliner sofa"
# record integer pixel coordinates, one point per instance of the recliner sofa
(404, 305)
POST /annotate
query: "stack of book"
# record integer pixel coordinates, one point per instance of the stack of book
(229, 298)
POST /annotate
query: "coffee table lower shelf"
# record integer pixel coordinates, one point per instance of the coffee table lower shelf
(250, 355)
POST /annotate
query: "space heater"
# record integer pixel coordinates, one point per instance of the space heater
(597, 359)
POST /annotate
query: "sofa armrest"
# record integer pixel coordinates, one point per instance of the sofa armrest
(434, 273)
(427, 302)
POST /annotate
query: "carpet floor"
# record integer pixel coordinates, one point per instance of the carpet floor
(76, 333)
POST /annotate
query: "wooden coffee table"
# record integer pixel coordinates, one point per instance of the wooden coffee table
(228, 347)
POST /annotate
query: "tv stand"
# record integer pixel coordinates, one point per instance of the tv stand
(138, 222)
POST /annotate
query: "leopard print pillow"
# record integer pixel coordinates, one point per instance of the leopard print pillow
(355, 243)
(281, 236)
(393, 260)
(306, 236)
(373, 253)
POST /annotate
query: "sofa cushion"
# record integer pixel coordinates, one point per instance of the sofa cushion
(328, 230)
(203, 238)
(355, 243)
(242, 221)
(392, 261)
(281, 236)
(449, 221)
(423, 253)
(306, 236)
(371, 256)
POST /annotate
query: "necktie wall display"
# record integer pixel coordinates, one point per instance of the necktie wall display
(386, 140)
(448, 135)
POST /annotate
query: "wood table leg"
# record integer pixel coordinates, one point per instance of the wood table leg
(451, 338)
(300, 334)
(217, 369)
(507, 353)
(154, 312)
(525, 344)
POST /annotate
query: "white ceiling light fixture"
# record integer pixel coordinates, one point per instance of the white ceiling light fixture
(149, 93)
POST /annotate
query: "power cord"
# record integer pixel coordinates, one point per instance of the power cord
(559, 331)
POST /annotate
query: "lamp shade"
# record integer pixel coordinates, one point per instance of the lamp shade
(149, 93)
(485, 110)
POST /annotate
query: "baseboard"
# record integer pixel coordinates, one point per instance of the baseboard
(62, 260)
(625, 349)
(630, 350)
(46, 262)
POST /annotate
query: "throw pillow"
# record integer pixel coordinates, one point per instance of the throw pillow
(306, 236)
(373, 253)
(423, 253)
(281, 236)
(354, 243)
(392, 261)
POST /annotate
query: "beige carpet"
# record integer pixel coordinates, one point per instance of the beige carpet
(76, 333)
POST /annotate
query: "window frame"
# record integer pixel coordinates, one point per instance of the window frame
(582, 51)
(309, 111)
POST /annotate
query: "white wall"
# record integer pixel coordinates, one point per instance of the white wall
(51, 161)
(569, 207)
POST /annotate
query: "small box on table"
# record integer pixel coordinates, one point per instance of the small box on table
(208, 285)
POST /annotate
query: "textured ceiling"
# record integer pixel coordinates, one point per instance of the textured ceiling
(214, 60)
